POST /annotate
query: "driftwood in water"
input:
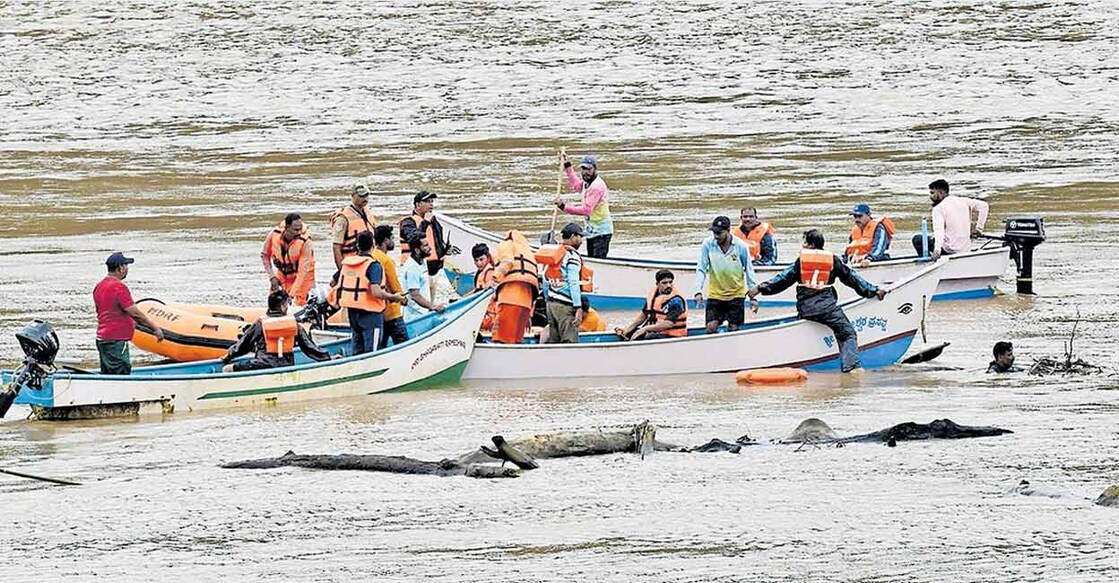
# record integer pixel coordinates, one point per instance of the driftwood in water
(378, 463)
(641, 438)
(508, 453)
(1109, 497)
(1067, 365)
(815, 432)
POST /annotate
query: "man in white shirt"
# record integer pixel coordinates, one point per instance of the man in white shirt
(416, 281)
(952, 228)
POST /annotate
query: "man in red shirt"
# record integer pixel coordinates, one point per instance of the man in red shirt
(117, 316)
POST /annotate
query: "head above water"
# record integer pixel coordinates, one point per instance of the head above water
(861, 214)
(359, 197)
(938, 189)
(382, 238)
(293, 226)
(813, 239)
(424, 202)
(572, 235)
(278, 301)
(1004, 354)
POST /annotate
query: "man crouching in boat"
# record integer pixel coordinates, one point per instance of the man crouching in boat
(815, 272)
(665, 314)
(273, 338)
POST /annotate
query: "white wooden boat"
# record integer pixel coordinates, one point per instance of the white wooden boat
(622, 283)
(436, 354)
(886, 329)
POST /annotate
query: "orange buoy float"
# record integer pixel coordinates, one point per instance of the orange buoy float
(771, 376)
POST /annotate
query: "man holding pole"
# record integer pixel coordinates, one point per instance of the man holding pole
(594, 205)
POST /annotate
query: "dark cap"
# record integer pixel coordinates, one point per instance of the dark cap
(571, 229)
(861, 209)
(720, 224)
(117, 259)
(588, 162)
(423, 196)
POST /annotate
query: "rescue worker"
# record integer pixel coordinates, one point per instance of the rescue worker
(347, 222)
(595, 204)
(1004, 359)
(423, 223)
(870, 238)
(518, 286)
(567, 279)
(484, 280)
(665, 314)
(383, 245)
(724, 273)
(417, 282)
(815, 273)
(289, 260)
(760, 238)
(273, 338)
(360, 289)
(952, 228)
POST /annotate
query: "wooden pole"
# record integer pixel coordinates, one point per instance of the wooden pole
(40, 478)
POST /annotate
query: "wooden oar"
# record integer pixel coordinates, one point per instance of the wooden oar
(550, 238)
(926, 354)
(40, 478)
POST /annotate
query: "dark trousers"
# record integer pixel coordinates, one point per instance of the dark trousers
(114, 357)
(598, 246)
(845, 335)
(917, 244)
(367, 328)
(394, 330)
(263, 360)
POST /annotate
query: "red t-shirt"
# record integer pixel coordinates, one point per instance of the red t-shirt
(111, 297)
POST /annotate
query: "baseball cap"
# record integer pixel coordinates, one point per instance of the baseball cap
(720, 224)
(118, 259)
(361, 190)
(571, 229)
(861, 209)
(423, 196)
(588, 162)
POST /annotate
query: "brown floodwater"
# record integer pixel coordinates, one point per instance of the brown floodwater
(181, 134)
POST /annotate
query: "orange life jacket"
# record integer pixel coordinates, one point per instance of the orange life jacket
(654, 310)
(815, 268)
(356, 222)
(753, 239)
(516, 261)
(287, 255)
(352, 290)
(279, 334)
(484, 278)
(862, 239)
(554, 273)
(429, 235)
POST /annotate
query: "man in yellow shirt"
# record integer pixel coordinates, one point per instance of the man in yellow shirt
(394, 320)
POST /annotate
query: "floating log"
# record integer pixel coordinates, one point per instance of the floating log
(1109, 497)
(508, 453)
(377, 463)
(578, 443)
(938, 429)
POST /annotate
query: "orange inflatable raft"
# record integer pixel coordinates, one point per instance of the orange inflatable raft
(192, 331)
(771, 376)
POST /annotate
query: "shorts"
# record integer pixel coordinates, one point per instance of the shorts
(733, 312)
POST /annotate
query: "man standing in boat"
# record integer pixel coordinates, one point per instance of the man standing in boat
(347, 222)
(117, 315)
(760, 237)
(665, 314)
(565, 286)
(417, 282)
(518, 287)
(484, 280)
(723, 274)
(395, 329)
(289, 260)
(360, 289)
(595, 205)
(952, 227)
(815, 273)
(273, 340)
(870, 238)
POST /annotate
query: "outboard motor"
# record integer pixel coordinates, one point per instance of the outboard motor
(317, 310)
(1022, 235)
(40, 346)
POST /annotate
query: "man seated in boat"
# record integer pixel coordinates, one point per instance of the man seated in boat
(870, 238)
(952, 228)
(815, 272)
(273, 339)
(665, 314)
(484, 280)
(760, 237)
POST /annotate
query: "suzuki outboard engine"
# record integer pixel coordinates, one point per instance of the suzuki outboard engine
(1022, 235)
(317, 310)
(40, 346)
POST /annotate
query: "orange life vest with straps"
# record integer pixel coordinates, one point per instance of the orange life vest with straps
(356, 222)
(484, 279)
(429, 236)
(815, 268)
(279, 334)
(862, 238)
(753, 239)
(516, 261)
(554, 273)
(286, 255)
(352, 289)
(654, 310)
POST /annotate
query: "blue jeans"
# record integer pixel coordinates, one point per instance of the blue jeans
(367, 328)
(845, 335)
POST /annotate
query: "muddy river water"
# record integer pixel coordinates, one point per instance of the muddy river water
(181, 132)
